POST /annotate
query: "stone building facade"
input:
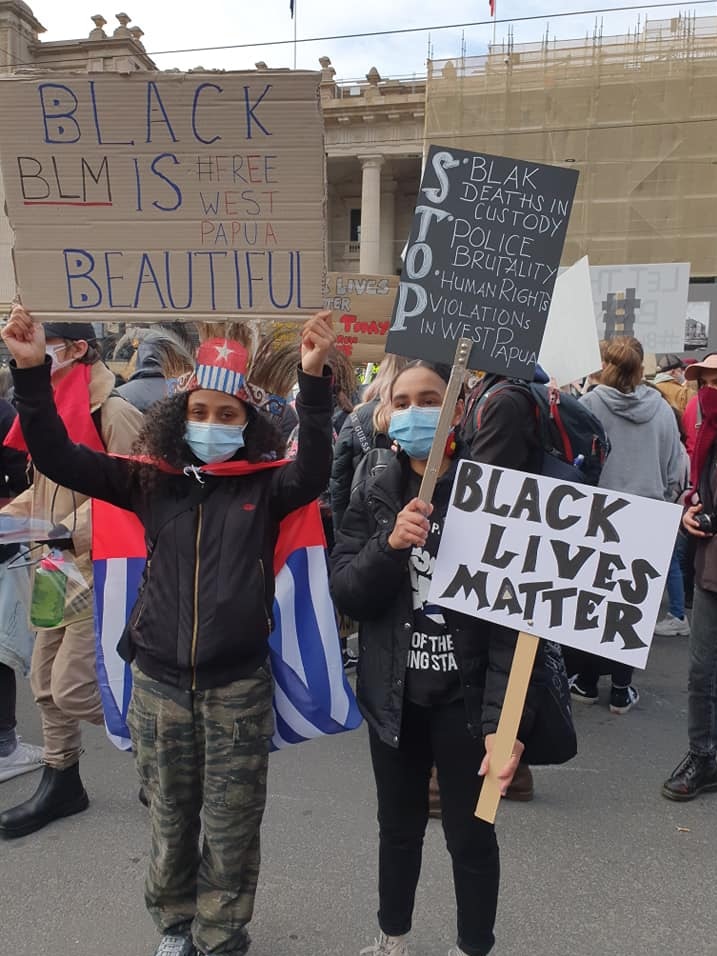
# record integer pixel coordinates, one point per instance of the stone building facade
(375, 133)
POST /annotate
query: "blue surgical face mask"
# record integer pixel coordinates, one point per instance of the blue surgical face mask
(214, 443)
(414, 429)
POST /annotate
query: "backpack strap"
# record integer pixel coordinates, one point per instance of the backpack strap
(479, 401)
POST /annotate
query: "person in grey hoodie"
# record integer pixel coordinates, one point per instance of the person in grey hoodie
(646, 458)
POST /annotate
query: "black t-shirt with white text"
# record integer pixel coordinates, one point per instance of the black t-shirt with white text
(431, 670)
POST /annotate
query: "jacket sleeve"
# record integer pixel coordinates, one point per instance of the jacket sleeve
(342, 472)
(307, 476)
(507, 433)
(73, 466)
(366, 572)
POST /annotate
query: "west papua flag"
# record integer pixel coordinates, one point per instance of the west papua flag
(311, 694)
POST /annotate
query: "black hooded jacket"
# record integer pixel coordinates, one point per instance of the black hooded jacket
(371, 583)
(204, 612)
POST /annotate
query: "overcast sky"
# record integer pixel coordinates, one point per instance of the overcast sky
(181, 24)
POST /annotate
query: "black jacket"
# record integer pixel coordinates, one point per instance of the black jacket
(347, 454)
(508, 433)
(371, 583)
(204, 613)
(13, 463)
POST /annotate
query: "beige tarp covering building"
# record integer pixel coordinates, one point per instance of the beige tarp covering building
(637, 115)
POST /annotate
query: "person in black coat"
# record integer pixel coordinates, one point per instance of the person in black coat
(430, 684)
(201, 713)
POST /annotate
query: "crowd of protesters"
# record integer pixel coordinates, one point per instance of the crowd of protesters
(288, 423)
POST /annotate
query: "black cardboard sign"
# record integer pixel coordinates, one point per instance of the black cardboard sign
(482, 259)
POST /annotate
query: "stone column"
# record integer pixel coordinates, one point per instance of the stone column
(388, 228)
(370, 214)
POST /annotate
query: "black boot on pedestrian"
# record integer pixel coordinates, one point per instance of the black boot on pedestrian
(695, 774)
(60, 794)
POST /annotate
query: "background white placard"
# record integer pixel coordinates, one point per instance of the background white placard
(646, 531)
(661, 288)
(570, 348)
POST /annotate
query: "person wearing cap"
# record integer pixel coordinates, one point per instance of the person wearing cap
(670, 382)
(697, 771)
(210, 490)
(62, 674)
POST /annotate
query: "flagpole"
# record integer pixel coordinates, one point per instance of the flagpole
(296, 16)
(495, 14)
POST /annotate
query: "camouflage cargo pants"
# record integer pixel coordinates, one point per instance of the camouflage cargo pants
(203, 750)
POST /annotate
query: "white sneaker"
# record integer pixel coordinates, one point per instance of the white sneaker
(387, 946)
(671, 626)
(23, 759)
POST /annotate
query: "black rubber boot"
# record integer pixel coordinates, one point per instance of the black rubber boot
(60, 794)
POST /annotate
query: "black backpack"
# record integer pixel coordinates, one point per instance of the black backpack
(573, 440)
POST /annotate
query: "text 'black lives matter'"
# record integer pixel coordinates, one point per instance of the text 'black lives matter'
(482, 259)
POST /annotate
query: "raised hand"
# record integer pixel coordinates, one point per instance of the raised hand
(25, 338)
(317, 337)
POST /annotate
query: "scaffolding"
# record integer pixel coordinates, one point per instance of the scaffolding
(636, 114)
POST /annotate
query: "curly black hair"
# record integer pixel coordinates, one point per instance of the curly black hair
(162, 438)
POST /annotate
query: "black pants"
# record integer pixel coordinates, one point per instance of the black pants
(590, 667)
(434, 735)
(8, 697)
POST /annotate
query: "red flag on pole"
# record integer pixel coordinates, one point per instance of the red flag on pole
(492, 7)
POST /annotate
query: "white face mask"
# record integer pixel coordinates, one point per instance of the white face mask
(53, 351)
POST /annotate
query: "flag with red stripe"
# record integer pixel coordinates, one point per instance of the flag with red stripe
(312, 697)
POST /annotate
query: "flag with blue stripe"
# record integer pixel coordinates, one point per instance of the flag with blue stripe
(312, 697)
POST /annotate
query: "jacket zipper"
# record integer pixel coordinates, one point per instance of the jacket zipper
(263, 596)
(143, 595)
(195, 628)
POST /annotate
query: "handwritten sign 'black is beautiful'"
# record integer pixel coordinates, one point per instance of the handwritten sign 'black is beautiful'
(161, 194)
(482, 259)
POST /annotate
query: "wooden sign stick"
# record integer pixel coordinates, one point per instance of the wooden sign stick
(520, 671)
(445, 421)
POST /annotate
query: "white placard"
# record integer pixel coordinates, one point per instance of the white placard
(646, 301)
(570, 349)
(579, 565)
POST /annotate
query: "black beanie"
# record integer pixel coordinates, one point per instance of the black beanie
(72, 331)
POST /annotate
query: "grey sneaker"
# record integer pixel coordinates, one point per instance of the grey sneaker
(387, 946)
(23, 759)
(671, 626)
(170, 945)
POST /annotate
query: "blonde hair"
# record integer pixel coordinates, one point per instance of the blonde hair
(623, 364)
(380, 388)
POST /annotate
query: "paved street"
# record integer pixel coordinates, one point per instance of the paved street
(599, 863)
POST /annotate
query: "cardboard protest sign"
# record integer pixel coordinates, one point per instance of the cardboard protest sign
(571, 563)
(482, 259)
(161, 195)
(648, 302)
(570, 348)
(362, 306)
